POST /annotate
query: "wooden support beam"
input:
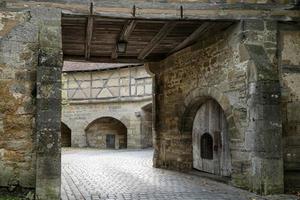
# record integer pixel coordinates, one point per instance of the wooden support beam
(193, 37)
(124, 35)
(164, 31)
(89, 33)
(103, 59)
(127, 30)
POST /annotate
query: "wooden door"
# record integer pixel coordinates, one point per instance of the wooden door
(210, 141)
(110, 141)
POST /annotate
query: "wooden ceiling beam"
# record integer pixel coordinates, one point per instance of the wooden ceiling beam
(89, 33)
(107, 59)
(124, 35)
(192, 38)
(127, 30)
(164, 31)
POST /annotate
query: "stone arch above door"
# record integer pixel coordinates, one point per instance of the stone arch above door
(196, 98)
(106, 132)
(193, 101)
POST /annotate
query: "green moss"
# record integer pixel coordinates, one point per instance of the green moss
(9, 198)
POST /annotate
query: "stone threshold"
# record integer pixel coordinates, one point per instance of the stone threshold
(210, 176)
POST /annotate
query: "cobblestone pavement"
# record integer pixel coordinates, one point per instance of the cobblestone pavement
(128, 175)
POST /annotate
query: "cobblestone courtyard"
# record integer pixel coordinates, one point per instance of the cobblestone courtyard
(128, 175)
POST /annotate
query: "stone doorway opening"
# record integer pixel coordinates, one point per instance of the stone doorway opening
(94, 39)
(211, 151)
(66, 135)
(106, 132)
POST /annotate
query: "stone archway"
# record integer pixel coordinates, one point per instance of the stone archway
(193, 102)
(106, 132)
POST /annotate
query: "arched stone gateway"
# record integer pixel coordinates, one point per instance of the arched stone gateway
(211, 151)
(66, 135)
(106, 132)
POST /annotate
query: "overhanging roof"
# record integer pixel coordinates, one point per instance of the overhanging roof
(94, 38)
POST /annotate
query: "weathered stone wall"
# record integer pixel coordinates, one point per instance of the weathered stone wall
(29, 58)
(238, 69)
(48, 114)
(79, 116)
(211, 66)
(146, 128)
(18, 64)
(290, 82)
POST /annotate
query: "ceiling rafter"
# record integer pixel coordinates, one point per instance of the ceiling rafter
(192, 38)
(124, 35)
(164, 31)
(89, 33)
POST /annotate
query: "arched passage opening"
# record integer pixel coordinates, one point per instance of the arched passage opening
(106, 133)
(210, 140)
(66, 135)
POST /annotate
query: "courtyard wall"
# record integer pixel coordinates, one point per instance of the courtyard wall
(239, 69)
(119, 93)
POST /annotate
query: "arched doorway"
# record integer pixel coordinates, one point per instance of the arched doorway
(65, 135)
(211, 151)
(106, 132)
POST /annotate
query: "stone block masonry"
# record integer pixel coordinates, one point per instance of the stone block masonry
(18, 64)
(238, 69)
(48, 116)
(289, 62)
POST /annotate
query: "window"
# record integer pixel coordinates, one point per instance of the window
(207, 146)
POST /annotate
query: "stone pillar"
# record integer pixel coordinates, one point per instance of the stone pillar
(153, 69)
(48, 120)
(263, 137)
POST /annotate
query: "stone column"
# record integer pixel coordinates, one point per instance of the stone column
(48, 120)
(153, 69)
(263, 137)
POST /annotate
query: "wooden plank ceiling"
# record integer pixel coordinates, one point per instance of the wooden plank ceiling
(92, 38)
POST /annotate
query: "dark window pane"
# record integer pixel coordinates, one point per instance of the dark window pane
(206, 146)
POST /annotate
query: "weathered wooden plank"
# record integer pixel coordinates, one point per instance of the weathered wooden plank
(89, 34)
(156, 40)
(129, 27)
(107, 59)
(196, 34)
(170, 10)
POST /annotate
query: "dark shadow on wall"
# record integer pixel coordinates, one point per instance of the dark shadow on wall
(66, 135)
(146, 126)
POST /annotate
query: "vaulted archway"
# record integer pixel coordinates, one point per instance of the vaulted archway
(106, 132)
